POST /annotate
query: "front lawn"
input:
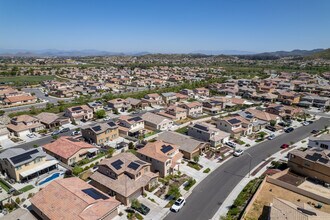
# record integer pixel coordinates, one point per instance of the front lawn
(196, 166)
(4, 185)
(190, 183)
(183, 130)
(26, 188)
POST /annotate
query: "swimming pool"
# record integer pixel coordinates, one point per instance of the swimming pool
(50, 178)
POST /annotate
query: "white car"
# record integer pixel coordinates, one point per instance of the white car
(179, 203)
(231, 144)
(305, 123)
(74, 133)
(271, 137)
(238, 153)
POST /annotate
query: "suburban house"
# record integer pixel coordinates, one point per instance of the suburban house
(4, 133)
(283, 110)
(156, 122)
(100, 133)
(69, 150)
(130, 126)
(51, 120)
(169, 97)
(288, 98)
(95, 106)
(316, 101)
(174, 112)
(82, 112)
(23, 165)
(124, 176)
(321, 142)
(188, 93)
(153, 99)
(283, 209)
(194, 109)
(262, 115)
(212, 106)
(208, 133)
(188, 146)
(73, 198)
(19, 99)
(119, 104)
(164, 157)
(24, 124)
(314, 163)
(202, 92)
(137, 103)
(235, 125)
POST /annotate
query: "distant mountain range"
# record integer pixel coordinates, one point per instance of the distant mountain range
(316, 53)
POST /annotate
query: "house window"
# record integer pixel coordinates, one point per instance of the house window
(18, 167)
(37, 160)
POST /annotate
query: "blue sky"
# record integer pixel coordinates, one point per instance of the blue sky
(165, 26)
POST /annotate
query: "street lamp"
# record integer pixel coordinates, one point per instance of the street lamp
(250, 163)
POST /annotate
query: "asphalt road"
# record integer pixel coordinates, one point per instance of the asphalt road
(41, 141)
(208, 196)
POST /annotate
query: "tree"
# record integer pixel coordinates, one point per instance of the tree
(272, 123)
(196, 159)
(49, 105)
(100, 113)
(130, 145)
(174, 191)
(136, 204)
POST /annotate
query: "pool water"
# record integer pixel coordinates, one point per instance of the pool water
(50, 178)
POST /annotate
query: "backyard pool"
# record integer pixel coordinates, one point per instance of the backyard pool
(50, 178)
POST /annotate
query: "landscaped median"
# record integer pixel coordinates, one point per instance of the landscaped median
(237, 208)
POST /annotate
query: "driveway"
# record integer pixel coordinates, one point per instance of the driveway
(207, 197)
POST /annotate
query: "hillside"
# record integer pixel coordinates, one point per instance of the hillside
(325, 54)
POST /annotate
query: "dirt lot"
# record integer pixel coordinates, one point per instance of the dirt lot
(266, 195)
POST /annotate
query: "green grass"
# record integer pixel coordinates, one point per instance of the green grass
(194, 165)
(26, 80)
(183, 130)
(207, 170)
(26, 188)
(191, 182)
(4, 186)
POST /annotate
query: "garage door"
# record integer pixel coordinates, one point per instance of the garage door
(135, 195)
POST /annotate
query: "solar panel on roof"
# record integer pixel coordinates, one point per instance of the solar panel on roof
(135, 119)
(166, 148)
(95, 194)
(310, 157)
(324, 160)
(23, 157)
(234, 121)
(76, 108)
(201, 127)
(111, 124)
(316, 155)
(97, 128)
(117, 164)
(133, 165)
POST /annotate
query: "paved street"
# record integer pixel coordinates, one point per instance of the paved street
(207, 197)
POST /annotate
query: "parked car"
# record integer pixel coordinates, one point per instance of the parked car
(311, 122)
(231, 144)
(143, 209)
(179, 203)
(31, 135)
(238, 153)
(65, 130)
(315, 131)
(271, 137)
(57, 132)
(285, 146)
(305, 123)
(74, 133)
(288, 130)
(271, 128)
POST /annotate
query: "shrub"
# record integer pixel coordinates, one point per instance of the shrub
(18, 200)
(207, 170)
(76, 170)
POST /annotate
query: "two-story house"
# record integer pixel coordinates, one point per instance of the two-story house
(283, 111)
(156, 122)
(235, 125)
(124, 176)
(194, 109)
(164, 157)
(321, 142)
(288, 98)
(100, 133)
(119, 104)
(69, 150)
(82, 112)
(24, 124)
(202, 92)
(153, 99)
(169, 97)
(95, 106)
(209, 133)
(174, 112)
(130, 126)
(24, 165)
